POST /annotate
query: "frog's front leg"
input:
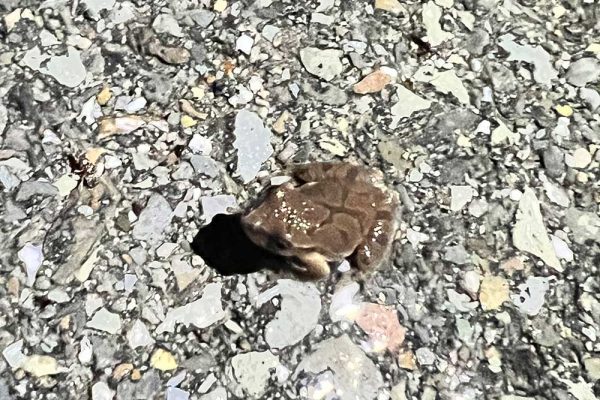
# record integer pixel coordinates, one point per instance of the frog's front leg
(312, 266)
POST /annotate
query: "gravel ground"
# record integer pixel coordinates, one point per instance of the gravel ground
(127, 126)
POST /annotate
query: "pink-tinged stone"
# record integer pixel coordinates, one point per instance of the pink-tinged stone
(382, 325)
(373, 83)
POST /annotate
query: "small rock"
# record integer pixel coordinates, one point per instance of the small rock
(219, 204)
(325, 64)
(382, 325)
(460, 196)
(252, 371)
(101, 391)
(163, 360)
(580, 158)
(39, 366)
(138, 335)
(105, 321)
(425, 356)
(373, 83)
(153, 220)
(33, 257)
(493, 292)
(393, 6)
(529, 233)
(244, 44)
(201, 313)
(253, 144)
(299, 313)
(583, 71)
(531, 297)
(166, 23)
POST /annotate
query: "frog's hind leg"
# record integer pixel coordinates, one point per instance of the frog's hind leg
(376, 247)
(314, 266)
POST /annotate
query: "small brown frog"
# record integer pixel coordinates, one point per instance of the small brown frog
(336, 211)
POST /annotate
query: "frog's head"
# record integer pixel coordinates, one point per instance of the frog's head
(283, 221)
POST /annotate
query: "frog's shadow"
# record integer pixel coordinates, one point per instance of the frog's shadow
(224, 246)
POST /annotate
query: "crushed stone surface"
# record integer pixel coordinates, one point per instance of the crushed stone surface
(126, 126)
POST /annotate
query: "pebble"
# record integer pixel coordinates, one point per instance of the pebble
(583, 71)
(298, 315)
(529, 233)
(382, 325)
(253, 144)
(460, 197)
(432, 14)
(531, 297)
(543, 72)
(493, 292)
(68, 70)
(244, 44)
(38, 365)
(393, 6)
(201, 313)
(591, 98)
(101, 391)
(33, 257)
(252, 371)
(373, 83)
(349, 365)
(153, 220)
(219, 204)
(138, 335)
(425, 356)
(325, 64)
(104, 320)
(166, 23)
(163, 360)
(580, 158)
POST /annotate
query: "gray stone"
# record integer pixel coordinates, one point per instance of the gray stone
(105, 321)
(425, 356)
(95, 6)
(219, 393)
(7, 179)
(554, 161)
(251, 371)
(457, 255)
(584, 225)
(68, 70)
(325, 64)
(591, 97)
(357, 376)
(202, 17)
(166, 23)
(201, 313)
(531, 297)
(35, 188)
(153, 220)
(583, 71)
(476, 41)
(543, 71)
(529, 233)
(204, 165)
(253, 144)
(299, 313)
(219, 204)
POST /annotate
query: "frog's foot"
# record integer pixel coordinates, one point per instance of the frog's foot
(312, 266)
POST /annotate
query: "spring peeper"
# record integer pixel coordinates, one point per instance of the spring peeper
(335, 211)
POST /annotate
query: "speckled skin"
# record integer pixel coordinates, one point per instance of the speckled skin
(337, 211)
